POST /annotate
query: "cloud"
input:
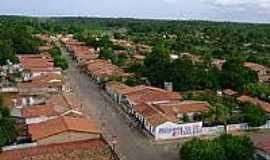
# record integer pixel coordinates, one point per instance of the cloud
(262, 4)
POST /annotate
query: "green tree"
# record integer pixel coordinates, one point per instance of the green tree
(106, 53)
(218, 114)
(197, 149)
(234, 75)
(225, 147)
(156, 64)
(261, 90)
(237, 147)
(7, 53)
(7, 125)
(59, 59)
(254, 115)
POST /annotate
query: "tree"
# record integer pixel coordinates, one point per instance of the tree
(197, 149)
(7, 125)
(253, 115)
(156, 64)
(106, 53)
(7, 53)
(234, 75)
(237, 147)
(219, 114)
(225, 147)
(59, 59)
(261, 90)
(21, 40)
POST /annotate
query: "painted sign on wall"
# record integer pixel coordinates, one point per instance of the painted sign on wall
(171, 130)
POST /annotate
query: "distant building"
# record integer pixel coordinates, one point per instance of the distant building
(218, 63)
(230, 92)
(262, 71)
(102, 70)
(265, 106)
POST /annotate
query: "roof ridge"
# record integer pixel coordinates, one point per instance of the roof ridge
(67, 101)
(159, 112)
(64, 121)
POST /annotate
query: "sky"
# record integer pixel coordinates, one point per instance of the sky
(256, 11)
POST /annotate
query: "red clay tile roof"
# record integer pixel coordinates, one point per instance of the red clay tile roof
(255, 66)
(65, 99)
(157, 114)
(185, 107)
(96, 149)
(62, 124)
(146, 94)
(39, 111)
(264, 146)
(262, 104)
(230, 92)
(44, 81)
(40, 61)
(103, 68)
(144, 109)
(118, 87)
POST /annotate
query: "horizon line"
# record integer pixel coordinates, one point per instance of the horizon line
(134, 18)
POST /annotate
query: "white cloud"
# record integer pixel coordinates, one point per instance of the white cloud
(263, 4)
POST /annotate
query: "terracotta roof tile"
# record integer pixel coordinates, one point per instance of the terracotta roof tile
(230, 92)
(146, 94)
(255, 66)
(65, 99)
(62, 124)
(157, 114)
(96, 149)
(37, 61)
(44, 81)
(39, 111)
(118, 87)
(185, 107)
(262, 104)
(264, 146)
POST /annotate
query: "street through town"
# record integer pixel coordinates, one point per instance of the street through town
(131, 143)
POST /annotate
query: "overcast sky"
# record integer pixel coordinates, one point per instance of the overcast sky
(220, 10)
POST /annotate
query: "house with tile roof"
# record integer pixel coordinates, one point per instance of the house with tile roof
(152, 115)
(149, 94)
(37, 64)
(49, 83)
(102, 70)
(262, 71)
(53, 107)
(265, 106)
(116, 90)
(96, 149)
(64, 129)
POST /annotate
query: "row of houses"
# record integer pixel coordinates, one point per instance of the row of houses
(151, 108)
(52, 117)
(87, 57)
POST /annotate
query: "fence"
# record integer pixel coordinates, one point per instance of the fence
(171, 130)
